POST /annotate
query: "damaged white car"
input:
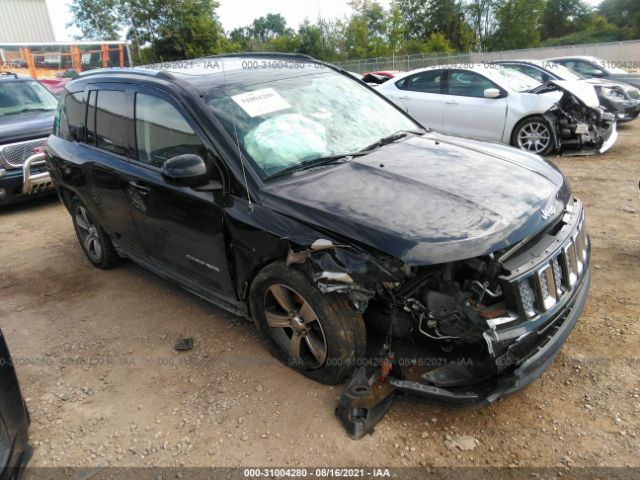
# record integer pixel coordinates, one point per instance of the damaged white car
(489, 102)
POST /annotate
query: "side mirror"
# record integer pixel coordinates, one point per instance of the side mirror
(597, 74)
(186, 170)
(491, 93)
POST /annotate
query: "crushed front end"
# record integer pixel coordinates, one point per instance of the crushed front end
(472, 331)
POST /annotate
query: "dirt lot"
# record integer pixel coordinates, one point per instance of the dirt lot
(104, 386)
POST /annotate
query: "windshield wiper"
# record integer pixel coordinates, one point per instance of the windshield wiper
(390, 139)
(314, 162)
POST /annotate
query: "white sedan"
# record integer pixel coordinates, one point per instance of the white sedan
(489, 102)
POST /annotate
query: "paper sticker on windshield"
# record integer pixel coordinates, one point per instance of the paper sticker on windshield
(261, 102)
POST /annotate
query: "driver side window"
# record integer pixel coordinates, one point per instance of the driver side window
(162, 132)
(468, 84)
(584, 68)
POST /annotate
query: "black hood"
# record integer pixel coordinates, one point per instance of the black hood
(25, 126)
(429, 199)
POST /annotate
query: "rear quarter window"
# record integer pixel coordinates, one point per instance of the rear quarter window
(71, 117)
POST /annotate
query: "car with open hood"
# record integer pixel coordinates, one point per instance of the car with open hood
(490, 102)
(618, 98)
(296, 196)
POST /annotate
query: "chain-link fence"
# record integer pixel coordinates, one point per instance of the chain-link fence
(625, 53)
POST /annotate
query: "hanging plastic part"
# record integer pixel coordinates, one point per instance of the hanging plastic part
(367, 398)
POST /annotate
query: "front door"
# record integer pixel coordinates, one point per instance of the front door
(467, 112)
(181, 227)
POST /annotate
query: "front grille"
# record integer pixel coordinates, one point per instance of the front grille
(633, 93)
(15, 154)
(538, 285)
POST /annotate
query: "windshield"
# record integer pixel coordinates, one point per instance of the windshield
(283, 123)
(563, 72)
(24, 96)
(516, 81)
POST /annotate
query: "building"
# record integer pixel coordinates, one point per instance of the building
(25, 21)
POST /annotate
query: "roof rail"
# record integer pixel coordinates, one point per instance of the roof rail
(6, 74)
(300, 56)
(125, 70)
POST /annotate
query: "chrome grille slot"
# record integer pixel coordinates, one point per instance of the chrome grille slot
(539, 285)
(15, 154)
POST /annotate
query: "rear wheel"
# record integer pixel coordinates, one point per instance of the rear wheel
(94, 241)
(312, 332)
(534, 135)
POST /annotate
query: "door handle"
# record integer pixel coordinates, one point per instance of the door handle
(451, 102)
(403, 98)
(143, 189)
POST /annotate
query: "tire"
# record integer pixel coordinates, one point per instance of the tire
(328, 336)
(533, 134)
(95, 243)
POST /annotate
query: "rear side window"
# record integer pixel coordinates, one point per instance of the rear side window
(425, 82)
(72, 118)
(112, 121)
(162, 132)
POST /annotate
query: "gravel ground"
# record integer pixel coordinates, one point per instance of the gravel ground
(94, 353)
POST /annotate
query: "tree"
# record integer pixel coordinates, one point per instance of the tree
(623, 13)
(421, 18)
(96, 19)
(518, 24)
(166, 29)
(481, 16)
(366, 31)
(562, 17)
(271, 26)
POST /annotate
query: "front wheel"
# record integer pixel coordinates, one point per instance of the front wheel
(534, 135)
(312, 332)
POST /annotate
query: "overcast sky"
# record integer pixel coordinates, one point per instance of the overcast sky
(237, 13)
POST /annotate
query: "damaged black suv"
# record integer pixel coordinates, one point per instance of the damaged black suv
(284, 190)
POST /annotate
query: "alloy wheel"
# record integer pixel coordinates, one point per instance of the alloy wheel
(534, 137)
(88, 233)
(295, 326)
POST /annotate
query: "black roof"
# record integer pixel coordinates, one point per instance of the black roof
(227, 70)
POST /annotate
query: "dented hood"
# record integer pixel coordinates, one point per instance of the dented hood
(582, 90)
(427, 199)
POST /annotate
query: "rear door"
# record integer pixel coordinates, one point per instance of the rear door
(106, 152)
(180, 227)
(422, 95)
(467, 112)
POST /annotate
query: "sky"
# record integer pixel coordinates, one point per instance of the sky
(236, 13)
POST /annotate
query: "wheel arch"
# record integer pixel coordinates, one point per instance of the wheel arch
(548, 116)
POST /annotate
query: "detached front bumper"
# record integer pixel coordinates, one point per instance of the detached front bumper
(31, 180)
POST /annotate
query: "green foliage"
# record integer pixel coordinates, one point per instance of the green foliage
(165, 30)
(518, 25)
(161, 30)
(625, 14)
(563, 17)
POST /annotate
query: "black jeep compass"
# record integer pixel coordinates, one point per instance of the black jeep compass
(286, 191)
